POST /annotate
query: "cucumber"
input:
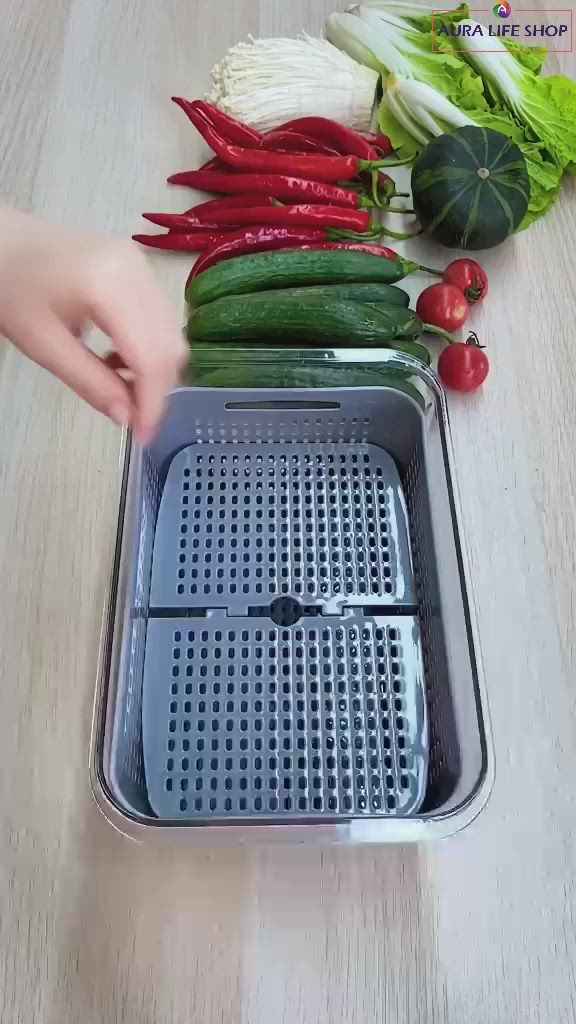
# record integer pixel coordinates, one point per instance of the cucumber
(412, 348)
(271, 318)
(358, 291)
(289, 268)
(307, 377)
(204, 371)
(408, 323)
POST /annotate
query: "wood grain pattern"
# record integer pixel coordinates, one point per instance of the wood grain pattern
(95, 929)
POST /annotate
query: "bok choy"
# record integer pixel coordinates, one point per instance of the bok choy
(421, 110)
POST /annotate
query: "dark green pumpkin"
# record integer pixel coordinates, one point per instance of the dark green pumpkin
(470, 188)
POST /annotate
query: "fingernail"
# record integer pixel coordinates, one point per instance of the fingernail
(119, 414)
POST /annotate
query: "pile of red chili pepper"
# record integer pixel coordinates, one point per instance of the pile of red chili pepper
(308, 183)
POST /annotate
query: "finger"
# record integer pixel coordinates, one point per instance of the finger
(145, 333)
(50, 345)
(154, 364)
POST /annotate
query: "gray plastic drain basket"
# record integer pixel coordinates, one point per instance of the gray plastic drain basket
(278, 708)
(288, 648)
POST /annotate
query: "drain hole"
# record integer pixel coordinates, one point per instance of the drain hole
(285, 611)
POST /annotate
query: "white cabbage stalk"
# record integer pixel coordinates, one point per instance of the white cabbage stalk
(383, 38)
(357, 37)
(500, 68)
(421, 110)
(264, 82)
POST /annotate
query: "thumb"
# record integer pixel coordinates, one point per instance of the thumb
(46, 341)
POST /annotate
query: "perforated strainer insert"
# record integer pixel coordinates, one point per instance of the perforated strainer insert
(320, 719)
(242, 524)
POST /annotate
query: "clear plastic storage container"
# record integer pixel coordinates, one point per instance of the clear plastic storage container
(289, 651)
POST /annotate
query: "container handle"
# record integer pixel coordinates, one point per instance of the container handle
(282, 406)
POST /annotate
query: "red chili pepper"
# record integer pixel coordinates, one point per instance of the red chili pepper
(186, 222)
(333, 134)
(373, 250)
(380, 142)
(293, 142)
(281, 186)
(255, 239)
(202, 216)
(328, 216)
(311, 166)
(230, 129)
(195, 242)
(232, 203)
(213, 164)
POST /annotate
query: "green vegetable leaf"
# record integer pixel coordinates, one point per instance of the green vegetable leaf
(557, 102)
(531, 58)
(545, 182)
(447, 72)
(548, 109)
(545, 175)
(404, 144)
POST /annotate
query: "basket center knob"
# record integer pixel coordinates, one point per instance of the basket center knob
(285, 611)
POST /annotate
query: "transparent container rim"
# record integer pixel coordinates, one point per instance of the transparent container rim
(236, 354)
(403, 830)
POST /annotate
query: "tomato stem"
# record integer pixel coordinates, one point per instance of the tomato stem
(473, 339)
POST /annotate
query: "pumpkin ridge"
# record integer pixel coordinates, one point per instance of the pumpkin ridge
(473, 215)
(469, 150)
(505, 206)
(447, 207)
(499, 154)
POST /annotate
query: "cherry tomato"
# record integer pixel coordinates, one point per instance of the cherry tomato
(463, 366)
(443, 305)
(468, 276)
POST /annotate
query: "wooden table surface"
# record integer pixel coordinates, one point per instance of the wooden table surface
(94, 928)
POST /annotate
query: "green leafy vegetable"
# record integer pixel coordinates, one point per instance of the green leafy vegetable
(532, 57)
(428, 89)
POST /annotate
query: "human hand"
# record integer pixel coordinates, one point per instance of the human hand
(54, 283)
